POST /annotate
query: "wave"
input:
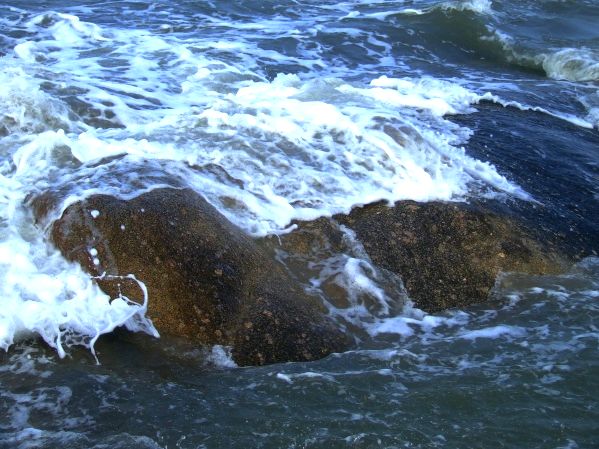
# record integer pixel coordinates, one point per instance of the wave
(572, 64)
(476, 27)
(476, 6)
(588, 122)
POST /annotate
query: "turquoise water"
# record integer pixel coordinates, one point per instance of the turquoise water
(276, 111)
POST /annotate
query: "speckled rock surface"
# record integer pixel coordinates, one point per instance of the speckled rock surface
(447, 254)
(207, 280)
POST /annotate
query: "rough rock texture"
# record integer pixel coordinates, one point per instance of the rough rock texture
(447, 254)
(207, 280)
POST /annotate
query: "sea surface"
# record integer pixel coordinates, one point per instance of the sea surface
(294, 110)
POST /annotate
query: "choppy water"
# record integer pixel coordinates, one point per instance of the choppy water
(293, 110)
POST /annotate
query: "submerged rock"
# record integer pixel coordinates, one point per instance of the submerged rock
(447, 254)
(207, 280)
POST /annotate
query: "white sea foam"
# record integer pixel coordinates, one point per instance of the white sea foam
(221, 357)
(477, 6)
(414, 321)
(41, 292)
(67, 28)
(494, 332)
(593, 117)
(589, 122)
(375, 299)
(285, 148)
(370, 293)
(313, 375)
(284, 377)
(44, 294)
(24, 108)
(384, 15)
(325, 157)
(573, 64)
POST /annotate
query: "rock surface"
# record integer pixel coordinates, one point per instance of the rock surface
(210, 283)
(447, 254)
(207, 280)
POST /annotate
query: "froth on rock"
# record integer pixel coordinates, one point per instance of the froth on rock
(447, 254)
(207, 280)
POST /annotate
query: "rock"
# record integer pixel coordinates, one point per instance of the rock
(447, 254)
(207, 280)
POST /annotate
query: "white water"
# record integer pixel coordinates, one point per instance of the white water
(264, 150)
(574, 64)
(570, 64)
(476, 6)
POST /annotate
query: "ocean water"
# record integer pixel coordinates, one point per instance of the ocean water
(278, 111)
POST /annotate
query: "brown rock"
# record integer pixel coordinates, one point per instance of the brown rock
(207, 280)
(447, 254)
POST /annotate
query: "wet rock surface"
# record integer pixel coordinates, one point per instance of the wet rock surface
(447, 254)
(207, 280)
(211, 283)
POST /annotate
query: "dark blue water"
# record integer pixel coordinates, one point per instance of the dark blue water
(277, 111)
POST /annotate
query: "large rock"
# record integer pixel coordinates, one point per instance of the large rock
(207, 280)
(447, 254)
